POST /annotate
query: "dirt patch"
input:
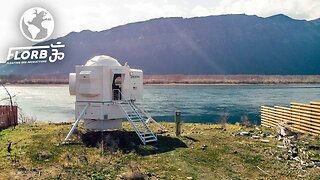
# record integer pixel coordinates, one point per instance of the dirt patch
(110, 140)
(128, 141)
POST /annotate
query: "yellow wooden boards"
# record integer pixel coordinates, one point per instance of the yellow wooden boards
(301, 117)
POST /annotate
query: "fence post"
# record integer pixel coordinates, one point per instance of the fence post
(178, 122)
(15, 115)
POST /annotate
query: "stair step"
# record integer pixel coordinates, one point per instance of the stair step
(147, 133)
(136, 120)
(148, 137)
(133, 114)
(151, 140)
(134, 117)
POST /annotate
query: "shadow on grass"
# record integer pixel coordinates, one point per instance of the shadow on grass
(191, 138)
(127, 142)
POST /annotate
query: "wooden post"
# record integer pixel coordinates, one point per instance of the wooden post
(178, 122)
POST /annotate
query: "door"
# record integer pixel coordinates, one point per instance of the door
(116, 86)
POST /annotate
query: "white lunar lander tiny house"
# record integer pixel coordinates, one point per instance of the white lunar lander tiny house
(106, 93)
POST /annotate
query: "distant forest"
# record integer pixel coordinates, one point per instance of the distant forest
(179, 79)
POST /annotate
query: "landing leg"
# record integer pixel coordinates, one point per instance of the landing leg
(76, 123)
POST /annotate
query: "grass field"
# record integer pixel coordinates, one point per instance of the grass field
(204, 151)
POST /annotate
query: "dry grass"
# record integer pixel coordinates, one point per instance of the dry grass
(203, 151)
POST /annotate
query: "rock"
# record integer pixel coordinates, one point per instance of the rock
(283, 129)
(303, 163)
(265, 140)
(281, 147)
(189, 178)
(255, 137)
(285, 156)
(149, 174)
(133, 175)
(244, 133)
(296, 159)
(204, 146)
(317, 164)
(271, 136)
(119, 176)
(44, 155)
(279, 158)
(310, 165)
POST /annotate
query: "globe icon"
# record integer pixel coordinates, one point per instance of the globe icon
(36, 24)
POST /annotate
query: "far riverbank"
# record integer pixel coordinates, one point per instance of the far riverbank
(178, 79)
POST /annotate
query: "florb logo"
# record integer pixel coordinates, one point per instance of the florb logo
(36, 24)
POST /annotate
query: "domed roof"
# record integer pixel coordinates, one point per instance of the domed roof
(102, 60)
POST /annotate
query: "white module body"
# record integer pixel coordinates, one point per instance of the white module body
(100, 82)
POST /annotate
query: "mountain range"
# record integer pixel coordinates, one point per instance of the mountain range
(224, 44)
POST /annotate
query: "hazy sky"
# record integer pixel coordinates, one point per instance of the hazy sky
(76, 15)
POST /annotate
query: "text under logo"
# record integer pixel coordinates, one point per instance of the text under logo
(35, 54)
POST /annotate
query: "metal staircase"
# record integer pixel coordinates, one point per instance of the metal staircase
(148, 118)
(138, 119)
(138, 122)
